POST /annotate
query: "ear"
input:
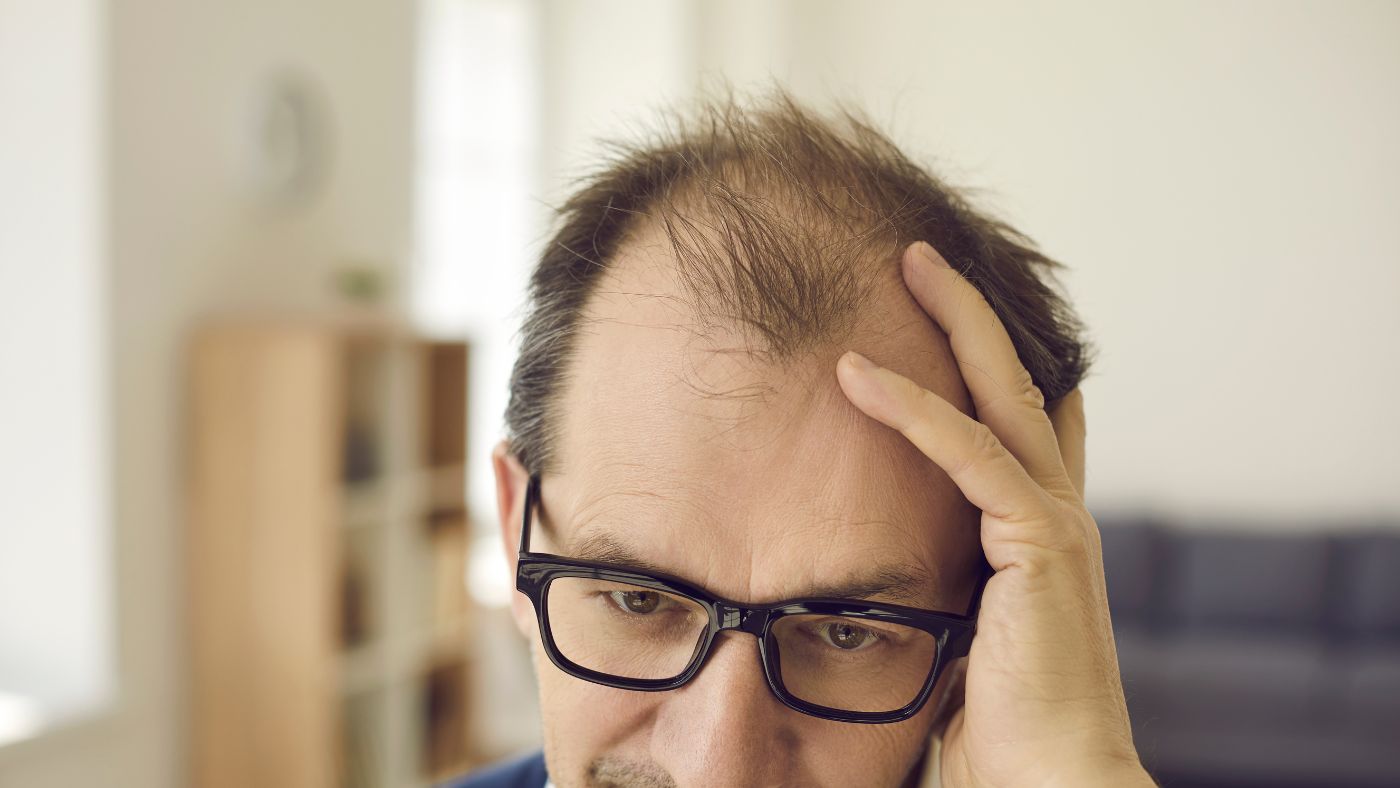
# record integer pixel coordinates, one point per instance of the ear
(511, 482)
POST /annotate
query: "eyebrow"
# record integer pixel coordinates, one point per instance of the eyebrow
(901, 583)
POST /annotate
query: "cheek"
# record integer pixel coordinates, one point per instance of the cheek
(849, 754)
(575, 732)
(523, 613)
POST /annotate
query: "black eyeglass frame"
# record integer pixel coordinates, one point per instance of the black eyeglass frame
(535, 571)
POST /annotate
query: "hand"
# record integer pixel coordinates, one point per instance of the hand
(1044, 702)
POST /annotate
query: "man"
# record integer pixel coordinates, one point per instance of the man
(778, 442)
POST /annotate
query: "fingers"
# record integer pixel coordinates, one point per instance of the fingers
(988, 475)
(1067, 416)
(1003, 393)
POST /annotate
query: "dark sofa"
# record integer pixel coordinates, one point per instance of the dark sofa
(1258, 657)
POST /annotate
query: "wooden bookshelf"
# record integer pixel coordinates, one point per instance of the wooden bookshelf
(327, 547)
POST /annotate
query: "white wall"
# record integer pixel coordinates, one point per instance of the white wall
(187, 237)
(1221, 178)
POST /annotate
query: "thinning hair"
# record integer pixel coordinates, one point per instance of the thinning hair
(778, 219)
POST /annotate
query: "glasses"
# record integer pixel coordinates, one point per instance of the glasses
(838, 659)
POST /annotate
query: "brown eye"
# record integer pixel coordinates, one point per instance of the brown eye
(847, 637)
(641, 602)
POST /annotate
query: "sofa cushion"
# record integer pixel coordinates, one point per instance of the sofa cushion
(1366, 605)
(1365, 689)
(1131, 554)
(1233, 581)
(1263, 680)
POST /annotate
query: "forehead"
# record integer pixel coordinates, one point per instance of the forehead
(685, 442)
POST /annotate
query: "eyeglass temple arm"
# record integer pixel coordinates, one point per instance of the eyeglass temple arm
(984, 575)
(532, 494)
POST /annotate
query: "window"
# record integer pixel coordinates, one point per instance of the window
(476, 144)
(55, 556)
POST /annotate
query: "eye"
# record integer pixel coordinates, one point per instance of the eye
(639, 602)
(846, 636)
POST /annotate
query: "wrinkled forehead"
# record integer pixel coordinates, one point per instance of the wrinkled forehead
(683, 440)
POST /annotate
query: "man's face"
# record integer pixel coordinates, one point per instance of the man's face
(758, 483)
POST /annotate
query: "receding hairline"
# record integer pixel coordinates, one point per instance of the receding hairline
(774, 215)
(647, 267)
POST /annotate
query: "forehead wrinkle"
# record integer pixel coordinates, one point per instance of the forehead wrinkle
(906, 583)
(896, 581)
(597, 544)
(600, 504)
(871, 541)
(926, 578)
(725, 383)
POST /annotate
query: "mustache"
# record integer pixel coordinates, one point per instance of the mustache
(610, 772)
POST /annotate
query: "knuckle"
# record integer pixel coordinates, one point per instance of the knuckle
(926, 399)
(1026, 390)
(922, 400)
(982, 446)
(1019, 394)
(1034, 396)
(984, 442)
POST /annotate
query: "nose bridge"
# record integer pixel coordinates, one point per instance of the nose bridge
(743, 619)
(725, 727)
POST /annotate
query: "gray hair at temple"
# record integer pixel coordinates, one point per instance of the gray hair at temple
(777, 218)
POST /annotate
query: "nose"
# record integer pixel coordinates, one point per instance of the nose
(725, 727)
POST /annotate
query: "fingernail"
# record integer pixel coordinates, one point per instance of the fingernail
(860, 362)
(928, 254)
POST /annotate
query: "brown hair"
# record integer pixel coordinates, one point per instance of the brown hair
(775, 216)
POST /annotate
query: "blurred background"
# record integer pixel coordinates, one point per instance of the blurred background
(261, 264)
